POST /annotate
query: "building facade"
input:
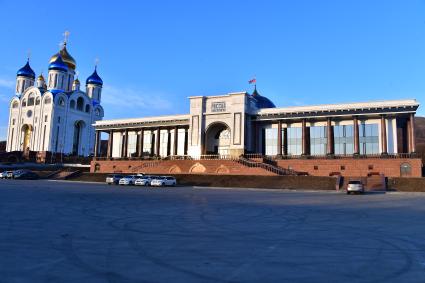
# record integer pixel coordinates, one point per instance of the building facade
(54, 116)
(245, 128)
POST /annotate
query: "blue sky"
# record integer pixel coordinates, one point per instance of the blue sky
(154, 54)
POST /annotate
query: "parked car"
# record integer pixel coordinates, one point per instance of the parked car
(162, 181)
(144, 181)
(128, 180)
(113, 179)
(3, 175)
(25, 175)
(355, 186)
(9, 174)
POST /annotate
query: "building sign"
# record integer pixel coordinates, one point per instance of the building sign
(218, 107)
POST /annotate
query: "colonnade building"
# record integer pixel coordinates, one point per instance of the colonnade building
(361, 138)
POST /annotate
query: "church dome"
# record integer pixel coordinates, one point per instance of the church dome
(26, 71)
(94, 79)
(66, 57)
(262, 101)
(58, 64)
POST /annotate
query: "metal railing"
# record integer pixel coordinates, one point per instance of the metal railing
(268, 167)
(333, 156)
(263, 157)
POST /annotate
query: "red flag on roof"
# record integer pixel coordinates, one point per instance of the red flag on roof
(253, 81)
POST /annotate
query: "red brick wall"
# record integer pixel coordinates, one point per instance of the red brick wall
(354, 167)
(221, 167)
(324, 167)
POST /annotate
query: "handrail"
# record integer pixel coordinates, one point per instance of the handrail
(271, 168)
(261, 156)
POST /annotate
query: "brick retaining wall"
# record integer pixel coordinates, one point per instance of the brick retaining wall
(239, 181)
(406, 184)
(352, 167)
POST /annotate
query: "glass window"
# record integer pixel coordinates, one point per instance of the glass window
(180, 141)
(344, 139)
(147, 142)
(271, 141)
(15, 104)
(47, 100)
(405, 170)
(37, 101)
(163, 147)
(80, 103)
(318, 140)
(117, 145)
(295, 141)
(24, 103)
(132, 144)
(369, 139)
(31, 100)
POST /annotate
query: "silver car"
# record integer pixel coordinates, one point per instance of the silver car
(143, 181)
(113, 179)
(355, 187)
(128, 180)
(162, 181)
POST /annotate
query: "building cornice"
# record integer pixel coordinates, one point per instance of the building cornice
(170, 120)
(359, 108)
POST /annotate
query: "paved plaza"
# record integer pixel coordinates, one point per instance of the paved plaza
(81, 232)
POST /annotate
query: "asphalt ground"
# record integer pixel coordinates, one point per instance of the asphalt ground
(82, 232)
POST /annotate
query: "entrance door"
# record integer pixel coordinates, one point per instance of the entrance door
(27, 137)
(217, 139)
(76, 138)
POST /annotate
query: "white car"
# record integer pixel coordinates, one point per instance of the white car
(144, 181)
(355, 187)
(163, 181)
(113, 179)
(128, 180)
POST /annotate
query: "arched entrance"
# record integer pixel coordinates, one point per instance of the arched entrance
(78, 130)
(26, 135)
(217, 139)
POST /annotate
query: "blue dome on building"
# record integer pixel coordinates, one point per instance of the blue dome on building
(58, 65)
(262, 101)
(94, 78)
(26, 71)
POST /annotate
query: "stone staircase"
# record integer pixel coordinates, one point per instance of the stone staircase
(64, 174)
(268, 165)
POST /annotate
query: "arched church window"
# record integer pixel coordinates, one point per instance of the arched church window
(47, 100)
(15, 104)
(72, 104)
(97, 112)
(37, 101)
(87, 108)
(31, 100)
(80, 103)
(61, 101)
(24, 103)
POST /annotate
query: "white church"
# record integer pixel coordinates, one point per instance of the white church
(56, 117)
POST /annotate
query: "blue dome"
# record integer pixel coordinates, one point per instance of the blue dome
(94, 79)
(58, 65)
(26, 71)
(262, 101)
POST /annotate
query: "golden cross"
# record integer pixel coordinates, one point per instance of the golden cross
(66, 36)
